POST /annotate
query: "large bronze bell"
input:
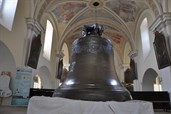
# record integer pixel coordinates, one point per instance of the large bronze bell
(92, 74)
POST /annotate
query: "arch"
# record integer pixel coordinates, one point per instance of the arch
(149, 79)
(55, 37)
(107, 22)
(7, 62)
(150, 16)
(164, 6)
(158, 6)
(137, 35)
(45, 77)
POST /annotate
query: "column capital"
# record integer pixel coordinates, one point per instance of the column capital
(60, 55)
(133, 54)
(161, 22)
(34, 25)
(124, 66)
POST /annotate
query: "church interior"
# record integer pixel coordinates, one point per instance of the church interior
(36, 38)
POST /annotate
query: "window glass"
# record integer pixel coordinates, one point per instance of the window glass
(145, 38)
(48, 40)
(1, 1)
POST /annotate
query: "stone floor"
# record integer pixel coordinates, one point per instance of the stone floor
(13, 110)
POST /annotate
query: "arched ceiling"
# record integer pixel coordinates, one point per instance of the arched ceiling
(117, 16)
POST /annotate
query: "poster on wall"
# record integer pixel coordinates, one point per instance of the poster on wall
(23, 83)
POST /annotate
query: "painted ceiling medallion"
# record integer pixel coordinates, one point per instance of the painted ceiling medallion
(96, 4)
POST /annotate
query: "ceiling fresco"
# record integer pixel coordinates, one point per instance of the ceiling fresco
(110, 33)
(66, 11)
(116, 37)
(97, 15)
(125, 9)
(117, 16)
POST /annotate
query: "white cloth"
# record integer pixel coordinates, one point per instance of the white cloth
(56, 105)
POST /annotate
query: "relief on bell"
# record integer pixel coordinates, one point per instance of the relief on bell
(92, 74)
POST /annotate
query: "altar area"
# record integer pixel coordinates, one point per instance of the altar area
(56, 105)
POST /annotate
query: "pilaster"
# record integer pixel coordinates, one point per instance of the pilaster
(33, 29)
(132, 54)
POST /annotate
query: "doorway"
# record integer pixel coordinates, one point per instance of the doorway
(150, 79)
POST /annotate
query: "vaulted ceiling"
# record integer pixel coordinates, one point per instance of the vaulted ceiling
(118, 17)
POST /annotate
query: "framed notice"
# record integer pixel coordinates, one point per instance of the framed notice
(23, 83)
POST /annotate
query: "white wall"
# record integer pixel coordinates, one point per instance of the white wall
(12, 43)
(166, 79)
(14, 39)
(150, 61)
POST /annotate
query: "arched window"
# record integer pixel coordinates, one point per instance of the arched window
(1, 2)
(48, 40)
(145, 38)
(7, 13)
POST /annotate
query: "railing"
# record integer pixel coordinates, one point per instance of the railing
(160, 100)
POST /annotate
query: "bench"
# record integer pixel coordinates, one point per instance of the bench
(40, 92)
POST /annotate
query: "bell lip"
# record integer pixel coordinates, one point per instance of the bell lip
(93, 95)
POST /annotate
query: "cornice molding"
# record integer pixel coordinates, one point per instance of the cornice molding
(60, 55)
(34, 25)
(161, 22)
